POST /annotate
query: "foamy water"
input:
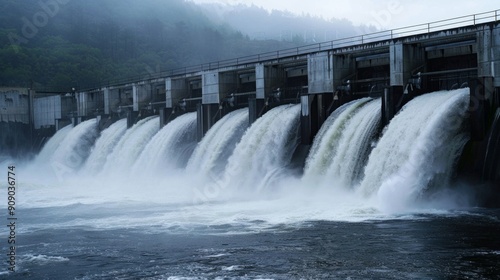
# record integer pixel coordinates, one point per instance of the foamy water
(255, 191)
(247, 214)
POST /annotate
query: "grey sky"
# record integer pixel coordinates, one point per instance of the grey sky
(385, 14)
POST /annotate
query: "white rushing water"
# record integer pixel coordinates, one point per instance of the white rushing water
(264, 150)
(130, 147)
(326, 144)
(74, 149)
(169, 148)
(324, 129)
(51, 146)
(212, 153)
(415, 155)
(418, 149)
(349, 150)
(104, 146)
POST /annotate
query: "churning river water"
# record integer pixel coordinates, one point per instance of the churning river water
(108, 241)
(151, 203)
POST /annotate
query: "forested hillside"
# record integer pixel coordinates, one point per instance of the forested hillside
(60, 44)
(258, 23)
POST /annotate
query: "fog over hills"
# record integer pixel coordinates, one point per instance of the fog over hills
(74, 43)
(258, 23)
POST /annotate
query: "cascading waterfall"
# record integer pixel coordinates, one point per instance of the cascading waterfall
(130, 146)
(216, 147)
(416, 153)
(169, 148)
(74, 149)
(344, 147)
(418, 149)
(104, 146)
(264, 150)
(51, 146)
(326, 143)
(317, 143)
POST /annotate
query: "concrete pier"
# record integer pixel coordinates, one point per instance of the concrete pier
(142, 95)
(176, 89)
(394, 66)
(111, 100)
(268, 78)
(216, 85)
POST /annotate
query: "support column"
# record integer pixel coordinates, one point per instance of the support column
(488, 53)
(480, 107)
(484, 95)
(309, 124)
(496, 98)
(256, 108)
(403, 60)
(166, 115)
(77, 120)
(85, 104)
(199, 122)
(320, 73)
(491, 170)
(107, 101)
(103, 122)
(111, 100)
(31, 106)
(267, 79)
(320, 95)
(343, 67)
(141, 95)
(81, 104)
(175, 90)
(207, 115)
(388, 106)
(132, 118)
(480, 157)
(215, 86)
(59, 124)
(398, 60)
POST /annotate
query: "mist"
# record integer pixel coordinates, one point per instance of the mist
(281, 25)
(87, 44)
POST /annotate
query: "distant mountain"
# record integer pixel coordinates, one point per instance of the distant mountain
(62, 44)
(258, 23)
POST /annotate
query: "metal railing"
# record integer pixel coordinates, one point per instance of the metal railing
(420, 29)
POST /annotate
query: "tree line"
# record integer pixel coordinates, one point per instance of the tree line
(64, 44)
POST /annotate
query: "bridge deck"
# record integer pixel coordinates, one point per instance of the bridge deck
(444, 30)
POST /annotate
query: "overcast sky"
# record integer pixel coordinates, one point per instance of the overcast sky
(384, 14)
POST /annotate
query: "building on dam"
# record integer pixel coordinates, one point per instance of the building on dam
(394, 65)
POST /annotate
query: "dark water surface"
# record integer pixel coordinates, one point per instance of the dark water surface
(462, 245)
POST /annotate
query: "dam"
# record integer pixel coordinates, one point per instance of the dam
(420, 104)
